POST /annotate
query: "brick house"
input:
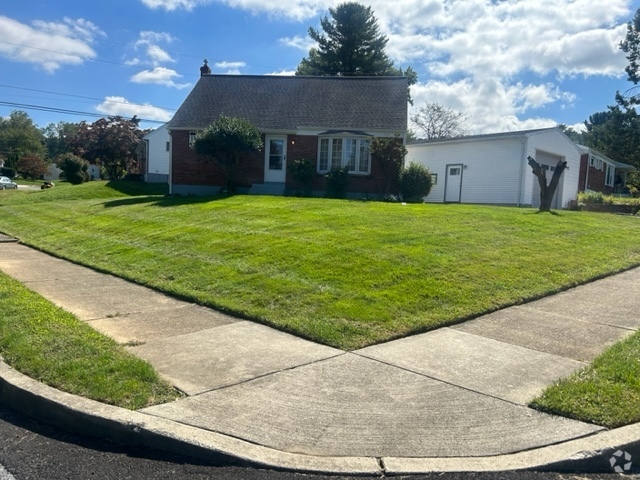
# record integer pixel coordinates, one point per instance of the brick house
(599, 173)
(330, 120)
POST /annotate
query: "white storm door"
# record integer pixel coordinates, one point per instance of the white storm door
(275, 159)
(453, 183)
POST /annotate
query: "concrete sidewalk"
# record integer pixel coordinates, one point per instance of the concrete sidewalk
(452, 395)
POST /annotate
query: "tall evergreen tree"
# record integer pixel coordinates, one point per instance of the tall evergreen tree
(351, 45)
(631, 46)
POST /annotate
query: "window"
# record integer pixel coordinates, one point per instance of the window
(609, 176)
(168, 146)
(338, 152)
(192, 137)
(434, 179)
(453, 171)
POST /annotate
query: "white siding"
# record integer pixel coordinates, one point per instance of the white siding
(496, 169)
(157, 153)
(491, 173)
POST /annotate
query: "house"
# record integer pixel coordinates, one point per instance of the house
(330, 120)
(154, 155)
(599, 173)
(493, 169)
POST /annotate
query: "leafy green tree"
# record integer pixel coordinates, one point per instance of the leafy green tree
(19, 136)
(351, 45)
(58, 138)
(631, 46)
(389, 153)
(225, 141)
(74, 168)
(615, 133)
(110, 143)
(437, 121)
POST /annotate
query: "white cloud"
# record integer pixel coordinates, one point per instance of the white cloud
(121, 106)
(49, 45)
(160, 76)
(230, 65)
(148, 42)
(301, 43)
(171, 5)
(283, 73)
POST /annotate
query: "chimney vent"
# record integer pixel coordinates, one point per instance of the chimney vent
(204, 69)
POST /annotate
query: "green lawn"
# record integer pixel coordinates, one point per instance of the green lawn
(344, 273)
(52, 346)
(607, 392)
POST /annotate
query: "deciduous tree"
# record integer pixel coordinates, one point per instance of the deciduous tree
(437, 121)
(225, 141)
(546, 191)
(19, 136)
(109, 142)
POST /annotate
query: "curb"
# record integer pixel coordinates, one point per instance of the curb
(131, 428)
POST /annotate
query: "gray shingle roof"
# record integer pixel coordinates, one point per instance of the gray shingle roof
(287, 103)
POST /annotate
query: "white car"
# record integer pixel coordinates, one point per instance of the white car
(5, 182)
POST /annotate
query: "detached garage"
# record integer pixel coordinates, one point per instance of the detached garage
(493, 169)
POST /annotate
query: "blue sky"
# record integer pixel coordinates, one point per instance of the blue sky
(508, 64)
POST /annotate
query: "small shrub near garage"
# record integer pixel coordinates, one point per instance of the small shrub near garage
(415, 183)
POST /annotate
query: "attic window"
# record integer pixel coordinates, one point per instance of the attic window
(339, 152)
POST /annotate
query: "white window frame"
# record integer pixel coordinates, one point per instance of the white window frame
(338, 144)
(609, 175)
(192, 137)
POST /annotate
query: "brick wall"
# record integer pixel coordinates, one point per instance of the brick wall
(188, 168)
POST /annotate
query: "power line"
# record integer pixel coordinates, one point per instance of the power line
(65, 111)
(76, 96)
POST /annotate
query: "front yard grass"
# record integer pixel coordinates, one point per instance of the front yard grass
(54, 347)
(344, 273)
(607, 392)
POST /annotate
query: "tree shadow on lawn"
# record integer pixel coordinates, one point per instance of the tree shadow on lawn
(166, 201)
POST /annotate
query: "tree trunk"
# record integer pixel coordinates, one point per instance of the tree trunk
(546, 191)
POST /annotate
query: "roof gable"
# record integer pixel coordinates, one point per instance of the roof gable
(290, 103)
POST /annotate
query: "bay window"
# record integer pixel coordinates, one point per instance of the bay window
(340, 152)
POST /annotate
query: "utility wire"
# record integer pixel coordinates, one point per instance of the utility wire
(76, 96)
(65, 111)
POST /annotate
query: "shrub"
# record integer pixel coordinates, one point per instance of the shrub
(415, 183)
(74, 168)
(337, 181)
(303, 170)
(7, 172)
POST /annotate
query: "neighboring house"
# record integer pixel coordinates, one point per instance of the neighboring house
(155, 155)
(493, 169)
(53, 173)
(94, 172)
(599, 173)
(330, 120)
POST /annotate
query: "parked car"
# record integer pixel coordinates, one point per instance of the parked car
(5, 182)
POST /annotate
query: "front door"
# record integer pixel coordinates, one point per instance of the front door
(275, 161)
(453, 183)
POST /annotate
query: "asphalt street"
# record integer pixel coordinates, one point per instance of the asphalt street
(31, 450)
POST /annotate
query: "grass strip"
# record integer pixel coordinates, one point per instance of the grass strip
(52, 346)
(606, 392)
